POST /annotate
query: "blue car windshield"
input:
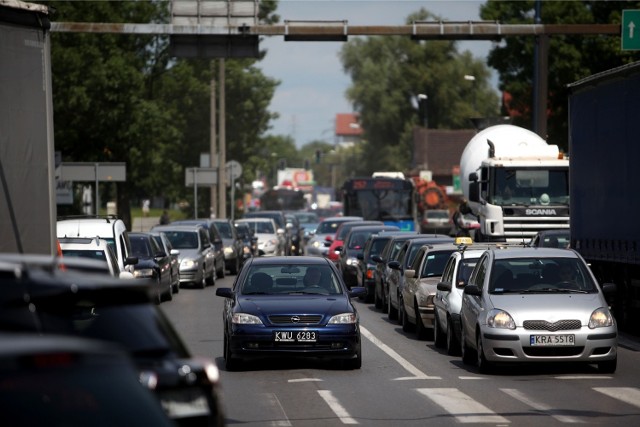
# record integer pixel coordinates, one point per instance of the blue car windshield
(291, 280)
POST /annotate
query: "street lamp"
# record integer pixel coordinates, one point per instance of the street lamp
(472, 79)
(422, 106)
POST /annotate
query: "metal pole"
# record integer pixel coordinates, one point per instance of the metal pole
(213, 149)
(97, 191)
(195, 193)
(222, 157)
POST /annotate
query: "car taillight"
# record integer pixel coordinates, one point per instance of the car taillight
(370, 273)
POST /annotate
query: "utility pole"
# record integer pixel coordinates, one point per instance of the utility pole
(213, 151)
(222, 157)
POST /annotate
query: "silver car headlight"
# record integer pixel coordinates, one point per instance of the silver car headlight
(228, 250)
(316, 244)
(189, 263)
(600, 318)
(425, 300)
(246, 319)
(352, 261)
(500, 319)
(343, 319)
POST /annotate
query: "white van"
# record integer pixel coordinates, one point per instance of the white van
(108, 228)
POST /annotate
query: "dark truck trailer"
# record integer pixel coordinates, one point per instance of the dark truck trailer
(604, 145)
(27, 168)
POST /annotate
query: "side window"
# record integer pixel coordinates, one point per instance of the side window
(123, 246)
(204, 238)
(478, 275)
(447, 275)
(415, 265)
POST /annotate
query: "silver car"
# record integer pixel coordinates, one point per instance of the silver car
(448, 299)
(319, 242)
(536, 305)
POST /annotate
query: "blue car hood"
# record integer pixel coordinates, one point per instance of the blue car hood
(294, 304)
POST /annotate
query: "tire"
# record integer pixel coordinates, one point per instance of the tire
(421, 331)
(403, 318)
(211, 280)
(468, 357)
(392, 312)
(220, 272)
(169, 293)
(203, 281)
(453, 345)
(438, 335)
(175, 286)
(377, 301)
(230, 363)
(236, 266)
(608, 366)
(484, 366)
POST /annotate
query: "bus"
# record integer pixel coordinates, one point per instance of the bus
(386, 199)
(283, 199)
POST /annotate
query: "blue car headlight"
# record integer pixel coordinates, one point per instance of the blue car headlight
(246, 319)
(343, 319)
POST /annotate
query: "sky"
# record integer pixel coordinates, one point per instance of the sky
(313, 84)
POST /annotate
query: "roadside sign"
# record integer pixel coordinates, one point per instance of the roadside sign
(630, 28)
(234, 170)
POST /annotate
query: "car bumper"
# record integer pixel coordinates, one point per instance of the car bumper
(188, 276)
(427, 314)
(591, 346)
(251, 342)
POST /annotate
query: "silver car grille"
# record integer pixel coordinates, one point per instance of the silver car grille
(296, 319)
(560, 325)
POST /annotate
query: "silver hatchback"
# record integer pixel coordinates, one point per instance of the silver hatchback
(536, 305)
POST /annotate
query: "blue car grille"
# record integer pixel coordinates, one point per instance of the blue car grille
(560, 325)
(300, 319)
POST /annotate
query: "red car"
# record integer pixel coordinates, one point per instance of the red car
(341, 233)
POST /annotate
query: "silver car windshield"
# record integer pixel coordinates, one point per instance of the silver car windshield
(540, 275)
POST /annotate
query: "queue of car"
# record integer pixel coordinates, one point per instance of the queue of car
(491, 304)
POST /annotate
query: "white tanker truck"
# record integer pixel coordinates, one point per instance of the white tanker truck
(515, 184)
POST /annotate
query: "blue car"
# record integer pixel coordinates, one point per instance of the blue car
(291, 306)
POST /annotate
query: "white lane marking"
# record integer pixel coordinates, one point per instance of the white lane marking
(336, 407)
(304, 380)
(518, 395)
(463, 407)
(472, 378)
(630, 395)
(272, 400)
(417, 374)
(583, 377)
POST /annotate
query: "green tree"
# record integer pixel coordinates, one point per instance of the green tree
(101, 110)
(388, 74)
(570, 58)
(122, 98)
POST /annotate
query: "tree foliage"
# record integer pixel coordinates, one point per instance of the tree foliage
(123, 98)
(388, 74)
(570, 58)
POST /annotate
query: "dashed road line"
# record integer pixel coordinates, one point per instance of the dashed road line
(628, 395)
(518, 395)
(336, 407)
(463, 407)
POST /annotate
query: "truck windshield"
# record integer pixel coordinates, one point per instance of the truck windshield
(529, 186)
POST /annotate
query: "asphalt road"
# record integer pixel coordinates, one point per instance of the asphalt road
(404, 381)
